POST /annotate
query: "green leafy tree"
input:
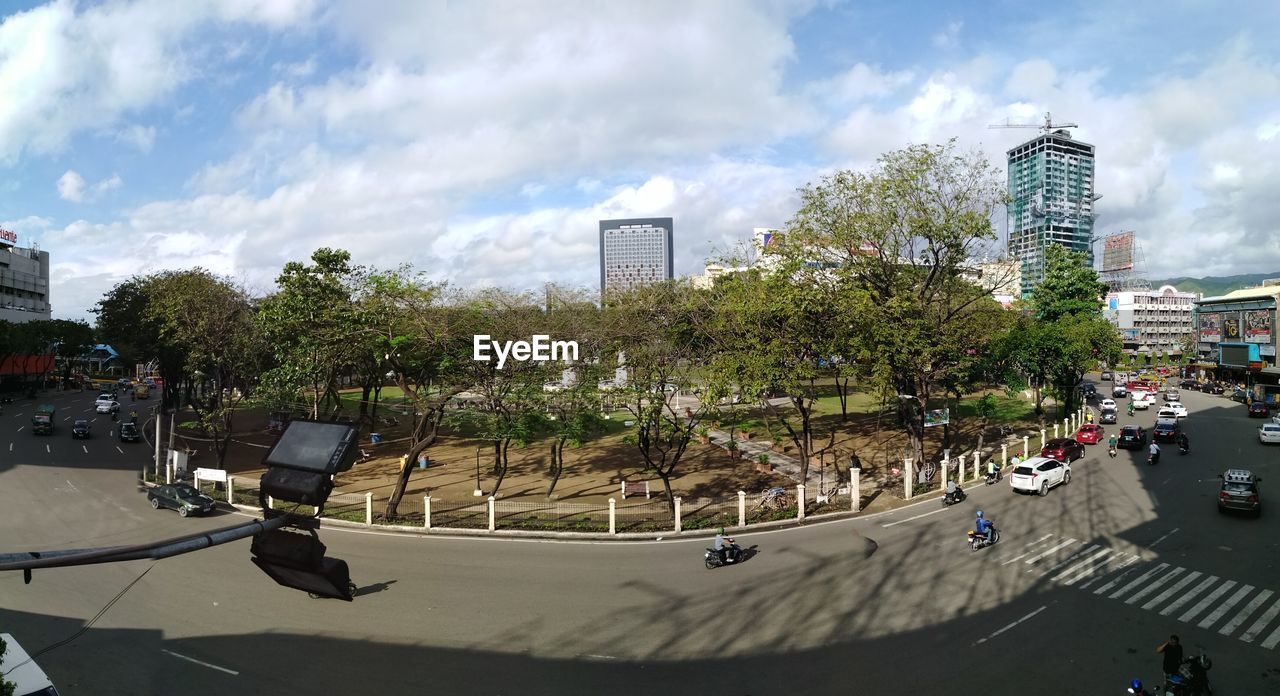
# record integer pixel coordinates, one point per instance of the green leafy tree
(1069, 287)
(126, 323)
(6, 687)
(71, 341)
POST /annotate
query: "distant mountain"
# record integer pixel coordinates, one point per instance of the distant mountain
(1216, 285)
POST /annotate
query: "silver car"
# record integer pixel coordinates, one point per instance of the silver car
(1240, 492)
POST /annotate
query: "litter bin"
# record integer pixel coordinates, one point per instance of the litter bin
(375, 437)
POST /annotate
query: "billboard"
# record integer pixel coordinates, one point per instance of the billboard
(940, 416)
(1231, 330)
(1117, 252)
(1211, 327)
(1257, 326)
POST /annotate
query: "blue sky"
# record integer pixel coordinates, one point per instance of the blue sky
(480, 142)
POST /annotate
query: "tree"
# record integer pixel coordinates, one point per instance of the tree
(125, 322)
(6, 686)
(71, 341)
(1070, 286)
(905, 234)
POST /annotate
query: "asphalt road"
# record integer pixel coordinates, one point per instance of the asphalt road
(1083, 586)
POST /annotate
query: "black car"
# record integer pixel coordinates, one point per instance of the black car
(1240, 395)
(1132, 437)
(80, 429)
(1165, 432)
(1108, 415)
(1188, 384)
(1215, 388)
(129, 432)
(181, 497)
(1258, 409)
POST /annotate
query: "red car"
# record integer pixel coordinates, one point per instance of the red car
(1064, 449)
(1090, 434)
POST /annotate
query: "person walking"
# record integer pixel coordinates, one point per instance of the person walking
(1172, 651)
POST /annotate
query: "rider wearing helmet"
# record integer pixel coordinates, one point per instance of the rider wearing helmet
(1135, 687)
(984, 527)
(722, 544)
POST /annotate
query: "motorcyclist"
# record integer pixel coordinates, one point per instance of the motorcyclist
(1130, 409)
(1184, 443)
(1111, 445)
(1135, 687)
(1154, 452)
(723, 545)
(992, 470)
(1088, 416)
(951, 489)
(984, 527)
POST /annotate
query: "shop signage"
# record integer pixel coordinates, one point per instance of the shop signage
(8, 237)
(1257, 326)
(1211, 327)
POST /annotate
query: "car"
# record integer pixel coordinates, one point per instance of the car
(80, 429)
(1258, 409)
(107, 396)
(1119, 391)
(1107, 415)
(1063, 449)
(1269, 433)
(106, 405)
(1090, 434)
(1188, 384)
(1172, 395)
(1141, 399)
(1166, 430)
(19, 671)
(1239, 491)
(1240, 395)
(129, 432)
(1038, 475)
(1106, 377)
(1214, 388)
(1178, 409)
(1089, 391)
(181, 497)
(1164, 371)
(1108, 403)
(1132, 437)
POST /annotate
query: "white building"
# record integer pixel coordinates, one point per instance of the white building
(1152, 321)
(24, 281)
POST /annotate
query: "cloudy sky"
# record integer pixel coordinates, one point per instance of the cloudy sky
(481, 142)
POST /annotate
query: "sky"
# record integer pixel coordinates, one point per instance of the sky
(481, 142)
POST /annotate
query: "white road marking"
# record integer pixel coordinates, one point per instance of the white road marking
(1089, 566)
(1155, 585)
(1069, 559)
(1130, 586)
(119, 450)
(18, 416)
(1249, 608)
(1015, 623)
(1204, 603)
(67, 418)
(1190, 578)
(202, 664)
(73, 486)
(601, 657)
(1157, 541)
(47, 450)
(85, 448)
(20, 427)
(1204, 584)
(1272, 640)
(1261, 623)
(1042, 554)
(914, 518)
(1226, 607)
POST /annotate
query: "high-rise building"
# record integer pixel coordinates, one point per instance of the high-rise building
(24, 281)
(1051, 192)
(634, 252)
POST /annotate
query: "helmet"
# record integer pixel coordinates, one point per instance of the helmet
(1135, 686)
(721, 532)
(979, 513)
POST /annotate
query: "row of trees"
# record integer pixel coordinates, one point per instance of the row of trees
(872, 286)
(22, 346)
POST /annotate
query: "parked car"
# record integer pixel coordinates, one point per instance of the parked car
(1239, 491)
(1166, 431)
(1258, 409)
(1188, 384)
(1063, 449)
(181, 497)
(1179, 411)
(1107, 416)
(1106, 377)
(1038, 475)
(1132, 437)
(129, 432)
(1214, 388)
(1240, 395)
(80, 429)
(1269, 433)
(1090, 434)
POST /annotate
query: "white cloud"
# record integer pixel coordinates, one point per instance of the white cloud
(71, 187)
(141, 137)
(949, 37)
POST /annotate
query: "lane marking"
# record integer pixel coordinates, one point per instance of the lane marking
(47, 450)
(1204, 603)
(1261, 623)
(1272, 640)
(1249, 608)
(201, 663)
(119, 450)
(1226, 607)
(1155, 585)
(1190, 578)
(1157, 541)
(1141, 578)
(1042, 554)
(914, 518)
(1015, 623)
(1073, 557)
(1090, 565)
(67, 418)
(20, 427)
(73, 486)
(1177, 603)
(85, 448)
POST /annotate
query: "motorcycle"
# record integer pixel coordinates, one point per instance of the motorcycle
(950, 499)
(1183, 448)
(1112, 451)
(732, 556)
(1153, 458)
(993, 477)
(977, 541)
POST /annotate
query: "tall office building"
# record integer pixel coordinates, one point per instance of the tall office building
(24, 281)
(1051, 187)
(634, 252)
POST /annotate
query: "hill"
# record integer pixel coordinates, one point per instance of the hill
(1213, 286)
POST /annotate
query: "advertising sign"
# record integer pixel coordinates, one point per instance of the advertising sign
(1129, 334)
(1257, 326)
(1231, 326)
(1211, 327)
(940, 416)
(8, 238)
(1117, 252)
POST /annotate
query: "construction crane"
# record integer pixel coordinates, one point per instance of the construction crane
(1047, 127)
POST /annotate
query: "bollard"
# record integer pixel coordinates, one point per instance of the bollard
(1025, 438)
(1055, 430)
(492, 526)
(742, 508)
(855, 490)
(677, 520)
(426, 512)
(799, 501)
(231, 484)
(368, 509)
(977, 461)
(613, 516)
(1004, 455)
(1064, 425)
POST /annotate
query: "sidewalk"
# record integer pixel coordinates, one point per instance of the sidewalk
(783, 464)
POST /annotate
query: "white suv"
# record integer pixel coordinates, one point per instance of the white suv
(1038, 475)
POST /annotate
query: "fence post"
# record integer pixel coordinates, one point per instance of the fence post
(906, 478)
(742, 508)
(492, 526)
(946, 473)
(1025, 438)
(1004, 455)
(677, 520)
(613, 516)
(800, 501)
(1042, 440)
(623, 484)
(231, 485)
(959, 469)
(1055, 429)
(426, 511)
(977, 461)
(855, 490)
(368, 508)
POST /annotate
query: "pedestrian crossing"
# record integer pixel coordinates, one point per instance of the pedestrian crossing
(1249, 614)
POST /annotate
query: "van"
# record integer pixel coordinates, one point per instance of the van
(17, 667)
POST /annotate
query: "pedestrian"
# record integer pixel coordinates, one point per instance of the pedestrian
(1172, 651)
